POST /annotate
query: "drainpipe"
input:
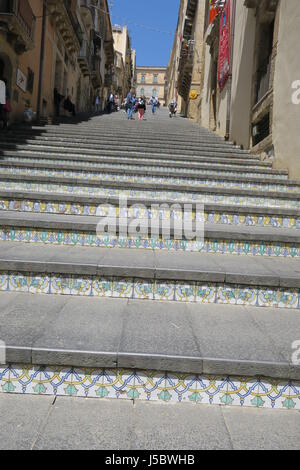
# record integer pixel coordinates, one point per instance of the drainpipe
(42, 57)
(228, 118)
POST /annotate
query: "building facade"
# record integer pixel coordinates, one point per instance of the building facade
(78, 52)
(125, 70)
(236, 72)
(151, 82)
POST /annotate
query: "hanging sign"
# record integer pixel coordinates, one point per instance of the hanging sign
(224, 46)
(21, 80)
(193, 94)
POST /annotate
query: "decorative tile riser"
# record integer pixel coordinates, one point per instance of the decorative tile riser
(150, 386)
(74, 163)
(248, 220)
(123, 178)
(51, 237)
(253, 201)
(130, 288)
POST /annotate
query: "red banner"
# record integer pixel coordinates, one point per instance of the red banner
(224, 46)
(215, 6)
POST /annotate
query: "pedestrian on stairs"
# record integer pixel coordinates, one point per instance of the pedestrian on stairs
(141, 108)
(111, 102)
(97, 104)
(153, 102)
(130, 103)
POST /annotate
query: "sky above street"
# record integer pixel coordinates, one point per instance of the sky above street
(151, 24)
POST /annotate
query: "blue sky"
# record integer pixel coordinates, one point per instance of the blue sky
(153, 47)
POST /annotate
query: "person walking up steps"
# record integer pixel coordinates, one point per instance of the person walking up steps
(141, 108)
(153, 103)
(130, 102)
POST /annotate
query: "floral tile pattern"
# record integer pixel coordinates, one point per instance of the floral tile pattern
(147, 289)
(150, 385)
(251, 200)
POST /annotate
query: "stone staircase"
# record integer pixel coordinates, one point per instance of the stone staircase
(143, 316)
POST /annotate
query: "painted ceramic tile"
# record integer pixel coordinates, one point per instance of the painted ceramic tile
(185, 292)
(102, 287)
(164, 290)
(273, 393)
(18, 282)
(143, 290)
(294, 400)
(205, 293)
(243, 391)
(39, 284)
(151, 385)
(61, 285)
(212, 389)
(3, 282)
(123, 288)
(80, 286)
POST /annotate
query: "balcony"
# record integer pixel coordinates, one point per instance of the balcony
(18, 21)
(96, 71)
(85, 59)
(108, 80)
(63, 14)
(87, 11)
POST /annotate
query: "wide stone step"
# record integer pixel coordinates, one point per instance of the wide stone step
(89, 155)
(143, 165)
(125, 129)
(152, 191)
(117, 140)
(68, 147)
(224, 356)
(152, 177)
(55, 203)
(80, 231)
(195, 278)
(182, 338)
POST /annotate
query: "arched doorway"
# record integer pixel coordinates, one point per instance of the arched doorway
(6, 70)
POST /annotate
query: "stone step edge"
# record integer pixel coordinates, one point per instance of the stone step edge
(77, 182)
(151, 361)
(95, 201)
(108, 143)
(68, 132)
(94, 157)
(220, 176)
(184, 154)
(147, 273)
(211, 232)
(172, 165)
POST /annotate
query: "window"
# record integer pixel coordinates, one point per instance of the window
(155, 93)
(142, 91)
(155, 79)
(143, 79)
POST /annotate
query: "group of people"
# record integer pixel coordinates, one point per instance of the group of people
(112, 103)
(133, 105)
(5, 106)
